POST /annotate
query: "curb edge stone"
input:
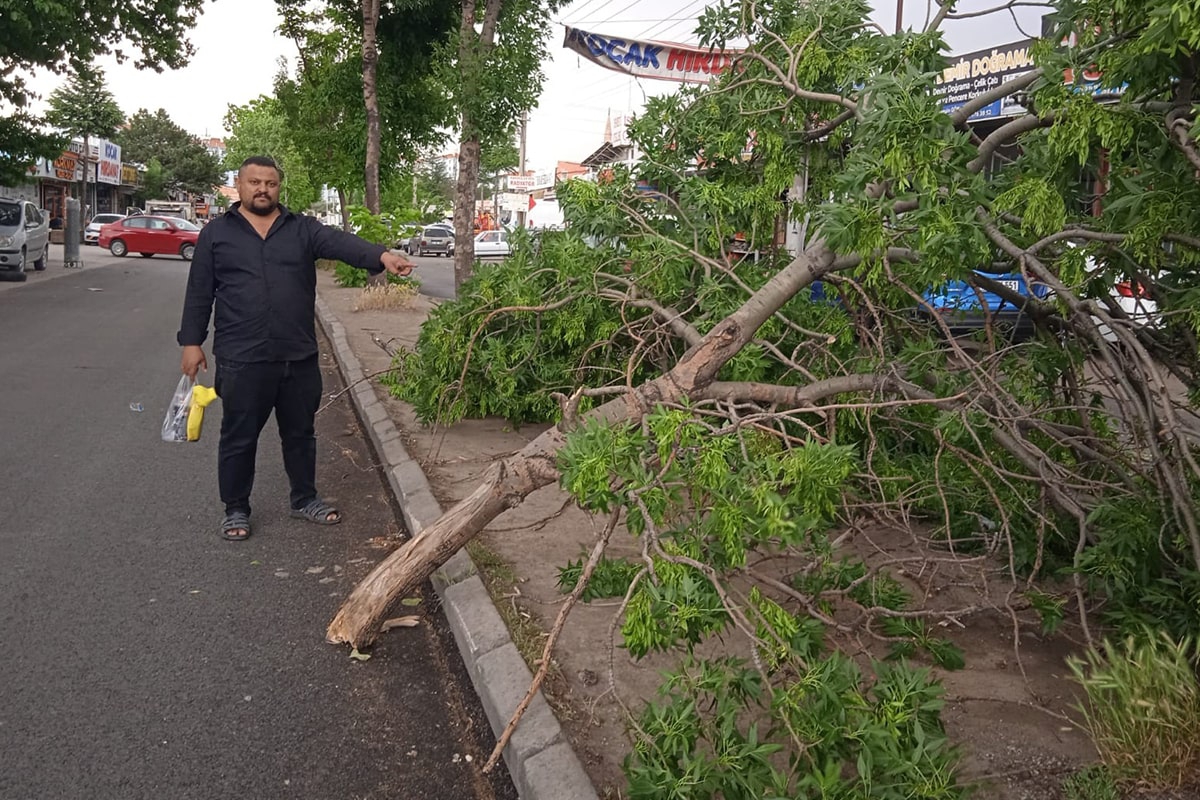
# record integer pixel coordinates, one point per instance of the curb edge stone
(542, 764)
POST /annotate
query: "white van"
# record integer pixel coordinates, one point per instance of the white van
(24, 237)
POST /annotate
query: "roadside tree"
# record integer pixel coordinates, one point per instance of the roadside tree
(154, 183)
(493, 79)
(187, 166)
(379, 98)
(84, 107)
(57, 35)
(261, 127)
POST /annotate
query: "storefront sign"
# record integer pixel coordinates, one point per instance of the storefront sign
(514, 202)
(64, 168)
(108, 168)
(649, 59)
(970, 75)
(129, 175)
(530, 183)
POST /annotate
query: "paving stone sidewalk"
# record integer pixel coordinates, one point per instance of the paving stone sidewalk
(541, 760)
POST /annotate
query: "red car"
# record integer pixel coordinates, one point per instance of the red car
(150, 235)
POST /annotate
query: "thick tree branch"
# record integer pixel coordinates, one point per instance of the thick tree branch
(1006, 133)
(962, 113)
(783, 82)
(1180, 134)
(794, 397)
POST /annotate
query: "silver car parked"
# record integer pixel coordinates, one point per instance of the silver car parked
(24, 238)
(432, 239)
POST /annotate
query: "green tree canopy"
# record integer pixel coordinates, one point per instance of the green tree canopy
(414, 108)
(186, 164)
(493, 72)
(262, 128)
(56, 35)
(84, 107)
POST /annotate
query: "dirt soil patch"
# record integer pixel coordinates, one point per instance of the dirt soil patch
(1013, 730)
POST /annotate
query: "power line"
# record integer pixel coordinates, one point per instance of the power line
(631, 21)
(602, 6)
(619, 13)
(585, 5)
(688, 9)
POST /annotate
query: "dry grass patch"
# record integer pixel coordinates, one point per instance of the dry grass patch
(387, 297)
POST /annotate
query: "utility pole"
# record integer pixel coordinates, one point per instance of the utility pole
(521, 164)
(899, 14)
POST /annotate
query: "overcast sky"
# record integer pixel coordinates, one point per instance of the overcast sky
(238, 50)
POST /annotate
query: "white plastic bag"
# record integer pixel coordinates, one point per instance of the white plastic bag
(175, 425)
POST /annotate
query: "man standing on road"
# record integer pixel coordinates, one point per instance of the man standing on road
(258, 262)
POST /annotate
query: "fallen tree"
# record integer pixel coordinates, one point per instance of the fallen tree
(728, 396)
(978, 218)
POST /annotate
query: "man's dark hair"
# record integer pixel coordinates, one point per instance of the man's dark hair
(261, 161)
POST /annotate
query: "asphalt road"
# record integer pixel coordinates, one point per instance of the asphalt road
(436, 274)
(145, 657)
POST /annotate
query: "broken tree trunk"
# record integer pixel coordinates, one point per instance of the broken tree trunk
(504, 485)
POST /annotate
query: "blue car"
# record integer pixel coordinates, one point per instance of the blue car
(965, 309)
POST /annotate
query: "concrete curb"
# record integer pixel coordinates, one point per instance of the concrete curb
(539, 757)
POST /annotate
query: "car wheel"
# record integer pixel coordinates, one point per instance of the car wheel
(39, 263)
(22, 264)
(118, 248)
(187, 251)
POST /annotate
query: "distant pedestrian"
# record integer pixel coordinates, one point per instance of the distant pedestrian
(258, 263)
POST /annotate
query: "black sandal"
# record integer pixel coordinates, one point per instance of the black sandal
(236, 521)
(318, 511)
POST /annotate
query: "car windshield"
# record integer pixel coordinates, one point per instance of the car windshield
(438, 230)
(10, 214)
(184, 225)
(104, 219)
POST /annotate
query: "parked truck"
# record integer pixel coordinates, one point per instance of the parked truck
(171, 208)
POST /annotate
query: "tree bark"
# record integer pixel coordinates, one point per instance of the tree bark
(343, 209)
(506, 483)
(370, 60)
(464, 209)
(473, 49)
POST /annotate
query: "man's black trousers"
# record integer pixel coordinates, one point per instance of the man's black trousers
(249, 392)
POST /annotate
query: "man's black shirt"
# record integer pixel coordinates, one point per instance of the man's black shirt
(265, 289)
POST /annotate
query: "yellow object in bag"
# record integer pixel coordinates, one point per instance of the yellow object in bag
(201, 397)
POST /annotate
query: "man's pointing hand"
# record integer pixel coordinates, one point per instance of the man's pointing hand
(396, 264)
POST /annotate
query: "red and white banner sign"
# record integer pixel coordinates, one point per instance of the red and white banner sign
(664, 61)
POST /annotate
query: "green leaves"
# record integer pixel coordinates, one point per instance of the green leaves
(474, 359)
(611, 578)
(1039, 205)
(185, 163)
(262, 127)
(84, 106)
(57, 35)
(858, 737)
